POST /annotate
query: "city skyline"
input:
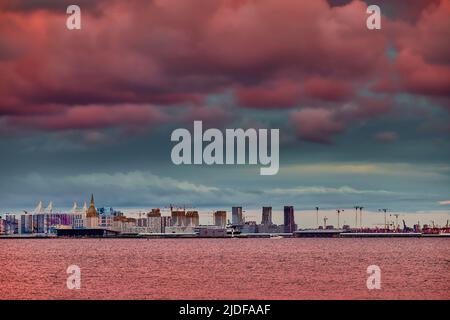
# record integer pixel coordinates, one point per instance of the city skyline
(304, 217)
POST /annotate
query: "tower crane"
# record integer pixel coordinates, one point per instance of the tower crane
(385, 218)
(339, 216)
(356, 216)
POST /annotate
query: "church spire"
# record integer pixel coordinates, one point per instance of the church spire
(92, 212)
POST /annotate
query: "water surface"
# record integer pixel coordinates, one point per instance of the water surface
(225, 268)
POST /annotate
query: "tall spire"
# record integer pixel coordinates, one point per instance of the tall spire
(92, 212)
(75, 207)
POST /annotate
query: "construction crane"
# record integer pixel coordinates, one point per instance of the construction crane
(317, 217)
(360, 217)
(356, 216)
(339, 216)
(385, 217)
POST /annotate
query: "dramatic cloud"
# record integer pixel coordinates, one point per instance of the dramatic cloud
(91, 117)
(317, 125)
(267, 54)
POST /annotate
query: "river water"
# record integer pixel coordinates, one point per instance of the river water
(225, 268)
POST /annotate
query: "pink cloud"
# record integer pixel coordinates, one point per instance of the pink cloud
(428, 37)
(422, 64)
(316, 125)
(92, 117)
(282, 94)
(269, 54)
(422, 78)
(328, 89)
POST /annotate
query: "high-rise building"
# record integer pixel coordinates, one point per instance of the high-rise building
(154, 224)
(220, 218)
(165, 222)
(11, 224)
(266, 216)
(39, 223)
(192, 218)
(26, 223)
(289, 221)
(236, 216)
(178, 218)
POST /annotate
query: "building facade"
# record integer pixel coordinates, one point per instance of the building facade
(220, 218)
(178, 218)
(289, 221)
(26, 224)
(192, 218)
(236, 216)
(266, 218)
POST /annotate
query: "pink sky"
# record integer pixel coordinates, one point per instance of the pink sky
(139, 55)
